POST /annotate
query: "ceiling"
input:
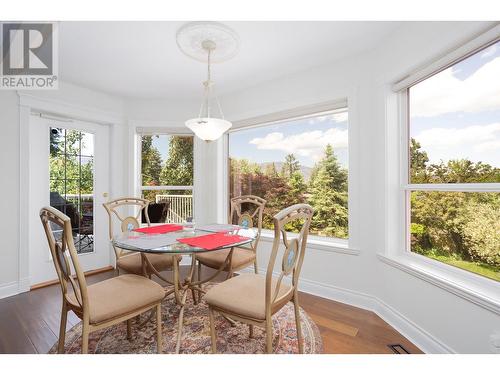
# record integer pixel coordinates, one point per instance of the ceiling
(141, 59)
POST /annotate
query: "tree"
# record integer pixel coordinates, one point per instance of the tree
(418, 163)
(178, 169)
(330, 206)
(151, 162)
(271, 170)
(337, 174)
(462, 171)
(69, 173)
(328, 196)
(481, 231)
(290, 166)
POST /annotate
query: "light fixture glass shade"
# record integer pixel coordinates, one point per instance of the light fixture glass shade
(208, 128)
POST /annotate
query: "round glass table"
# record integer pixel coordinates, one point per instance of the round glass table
(167, 244)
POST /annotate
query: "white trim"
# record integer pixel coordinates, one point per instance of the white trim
(69, 110)
(167, 187)
(289, 115)
(465, 50)
(451, 280)
(473, 187)
(417, 335)
(329, 244)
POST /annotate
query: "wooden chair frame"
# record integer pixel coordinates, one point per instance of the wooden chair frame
(111, 209)
(62, 263)
(291, 264)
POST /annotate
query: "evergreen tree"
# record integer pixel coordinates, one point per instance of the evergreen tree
(290, 166)
(337, 174)
(328, 196)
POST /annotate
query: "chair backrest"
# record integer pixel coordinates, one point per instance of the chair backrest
(58, 230)
(248, 211)
(293, 255)
(157, 212)
(127, 223)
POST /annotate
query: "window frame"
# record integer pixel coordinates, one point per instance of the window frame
(475, 288)
(406, 185)
(334, 244)
(139, 133)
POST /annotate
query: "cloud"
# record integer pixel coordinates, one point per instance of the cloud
(335, 117)
(444, 93)
(473, 142)
(309, 144)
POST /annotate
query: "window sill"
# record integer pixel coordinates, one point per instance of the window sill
(334, 245)
(482, 292)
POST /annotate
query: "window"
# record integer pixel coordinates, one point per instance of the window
(453, 179)
(71, 160)
(167, 177)
(299, 160)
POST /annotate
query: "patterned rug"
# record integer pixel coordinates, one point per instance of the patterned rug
(196, 334)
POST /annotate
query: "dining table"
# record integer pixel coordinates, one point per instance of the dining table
(184, 240)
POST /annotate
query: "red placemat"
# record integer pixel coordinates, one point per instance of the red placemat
(159, 229)
(212, 241)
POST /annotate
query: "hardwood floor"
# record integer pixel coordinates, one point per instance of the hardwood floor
(29, 323)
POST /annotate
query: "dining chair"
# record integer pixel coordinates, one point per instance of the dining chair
(131, 262)
(253, 299)
(99, 305)
(246, 211)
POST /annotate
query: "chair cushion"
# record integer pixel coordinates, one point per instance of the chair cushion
(112, 298)
(214, 259)
(245, 295)
(132, 263)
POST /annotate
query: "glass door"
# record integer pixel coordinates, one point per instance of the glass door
(69, 170)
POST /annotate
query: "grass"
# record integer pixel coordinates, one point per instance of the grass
(486, 270)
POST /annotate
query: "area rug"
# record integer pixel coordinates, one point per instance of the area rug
(196, 334)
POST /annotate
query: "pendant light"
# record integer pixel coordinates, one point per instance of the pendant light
(215, 42)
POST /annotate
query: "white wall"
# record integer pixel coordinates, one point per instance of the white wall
(435, 319)
(9, 201)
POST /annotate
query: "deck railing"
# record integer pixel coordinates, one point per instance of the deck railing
(181, 207)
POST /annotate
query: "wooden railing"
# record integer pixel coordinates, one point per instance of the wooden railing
(181, 207)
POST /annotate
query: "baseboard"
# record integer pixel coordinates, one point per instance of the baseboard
(9, 289)
(418, 336)
(56, 281)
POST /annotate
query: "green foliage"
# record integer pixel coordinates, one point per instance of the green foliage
(151, 162)
(290, 166)
(328, 196)
(326, 191)
(69, 172)
(455, 227)
(178, 169)
(482, 231)
(462, 171)
(418, 163)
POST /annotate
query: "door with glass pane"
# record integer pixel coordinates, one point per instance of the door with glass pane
(70, 172)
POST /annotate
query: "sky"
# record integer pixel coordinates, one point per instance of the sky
(306, 138)
(455, 114)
